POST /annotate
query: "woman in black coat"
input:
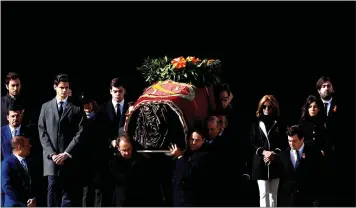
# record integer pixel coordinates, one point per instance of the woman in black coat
(268, 139)
(312, 122)
(313, 125)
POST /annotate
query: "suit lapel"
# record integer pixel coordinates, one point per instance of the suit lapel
(288, 160)
(67, 109)
(123, 114)
(332, 106)
(111, 111)
(8, 133)
(54, 108)
(302, 160)
(22, 169)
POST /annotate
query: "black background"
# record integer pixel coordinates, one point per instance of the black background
(278, 48)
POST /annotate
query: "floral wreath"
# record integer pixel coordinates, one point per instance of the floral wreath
(190, 70)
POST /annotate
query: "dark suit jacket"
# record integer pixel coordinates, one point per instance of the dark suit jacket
(6, 101)
(190, 180)
(135, 184)
(332, 122)
(17, 185)
(108, 119)
(6, 137)
(58, 135)
(300, 187)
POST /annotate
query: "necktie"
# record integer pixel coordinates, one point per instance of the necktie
(14, 133)
(118, 111)
(24, 164)
(326, 108)
(60, 109)
(297, 160)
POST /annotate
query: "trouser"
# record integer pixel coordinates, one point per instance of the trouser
(92, 196)
(268, 192)
(63, 192)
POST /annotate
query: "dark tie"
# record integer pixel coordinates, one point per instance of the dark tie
(24, 164)
(326, 108)
(297, 160)
(15, 133)
(118, 112)
(60, 109)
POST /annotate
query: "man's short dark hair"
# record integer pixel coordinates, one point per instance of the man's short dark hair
(213, 119)
(61, 78)
(117, 82)
(224, 87)
(11, 76)
(295, 130)
(202, 132)
(14, 108)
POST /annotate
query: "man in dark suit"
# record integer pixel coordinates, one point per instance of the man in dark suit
(112, 113)
(337, 162)
(18, 178)
(94, 149)
(13, 85)
(227, 163)
(330, 104)
(191, 172)
(15, 128)
(112, 117)
(300, 166)
(135, 185)
(60, 127)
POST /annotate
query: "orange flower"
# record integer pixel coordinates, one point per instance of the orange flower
(179, 62)
(210, 61)
(334, 109)
(192, 59)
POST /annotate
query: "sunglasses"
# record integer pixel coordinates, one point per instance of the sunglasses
(267, 106)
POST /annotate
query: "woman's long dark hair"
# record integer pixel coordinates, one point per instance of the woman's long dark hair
(305, 113)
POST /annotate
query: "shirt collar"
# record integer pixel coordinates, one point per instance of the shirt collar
(121, 103)
(327, 101)
(17, 129)
(19, 157)
(301, 149)
(64, 101)
(12, 97)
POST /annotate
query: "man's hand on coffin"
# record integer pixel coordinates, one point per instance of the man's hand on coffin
(113, 143)
(175, 151)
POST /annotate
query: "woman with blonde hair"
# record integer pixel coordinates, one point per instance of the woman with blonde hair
(268, 139)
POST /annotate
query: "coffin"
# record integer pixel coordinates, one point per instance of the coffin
(165, 112)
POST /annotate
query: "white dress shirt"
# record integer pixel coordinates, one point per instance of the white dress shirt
(65, 101)
(329, 104)
(12, 129)
(121, 105)
(293, 155)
